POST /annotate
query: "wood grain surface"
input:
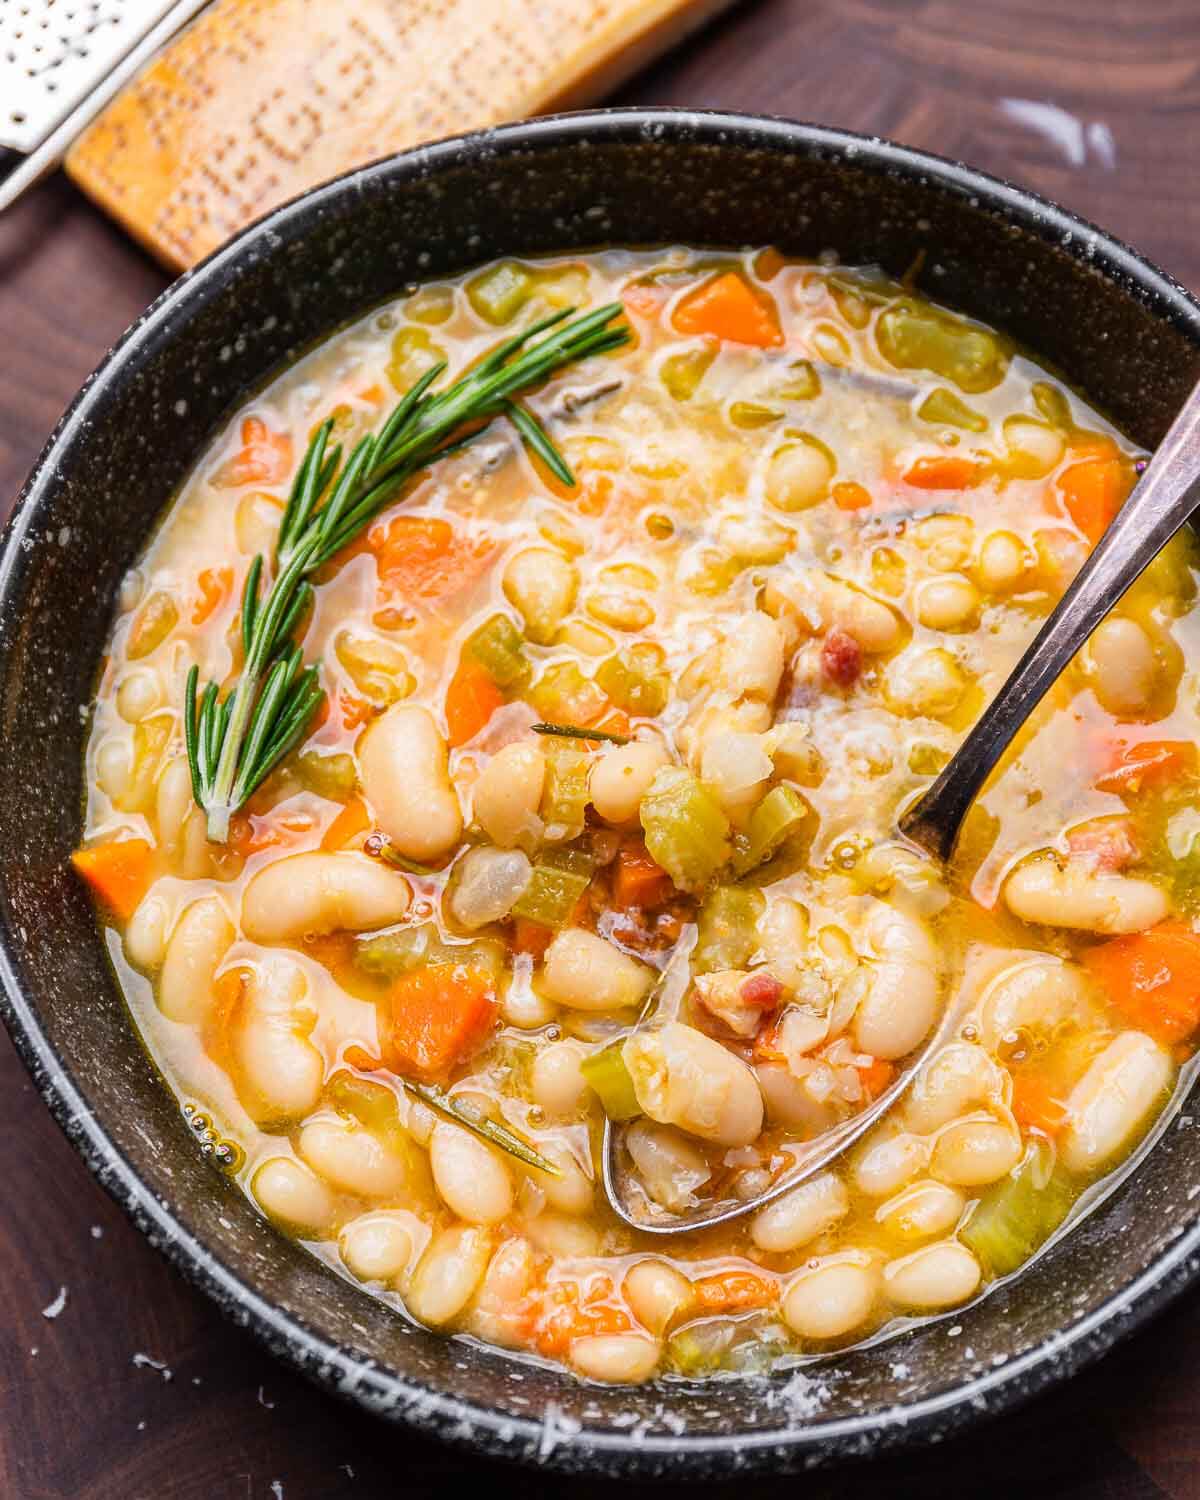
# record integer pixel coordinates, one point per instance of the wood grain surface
(1094, 102)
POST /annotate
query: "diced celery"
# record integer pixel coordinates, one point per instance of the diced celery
(563, 695)
(1052, 404)
(387, 955)
(499, 648)
(700, 1348)
(803, 382)
(944, 409)
(332, 776)
(565, 794)
(634, 679)
(559, 878)
(780, 814)
(749, 415)
(607, 1074)
(1016, 1216)
(686, 831)
(914, 336)
(500, 293)
(682, 373)
(728, 928)
(413, 352)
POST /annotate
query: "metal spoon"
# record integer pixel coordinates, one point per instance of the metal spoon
(1167, 494)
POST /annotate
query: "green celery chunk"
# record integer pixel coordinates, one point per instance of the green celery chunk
(944, 409)
(1015, 1217)
(610, 1079)
(1053, 405)
(499, 648)
(563, 695)
(914, 336)
(559, 878)
(565, 794)
(634, 679)
(700, 1348)
(682, 373)
(387, 955)
(413, 352)
(780, 814)
(803, 382)
(686, 831)
(727, 928)
(332, 776)
(500, 293)
(750, 415)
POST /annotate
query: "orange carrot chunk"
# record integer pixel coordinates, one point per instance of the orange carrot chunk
(436, 1017)
(940, 471)
(640, 881)
(118, 873)
(214, 585)
(1153, 763)
(530, 937)
(735, 1291)
(353, 819)
(424, 558)
(1153, 978)
(727, 308)
(471, 700)
(1092, 492)
(1036, 1104)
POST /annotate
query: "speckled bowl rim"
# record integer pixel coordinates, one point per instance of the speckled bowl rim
(451, 1417)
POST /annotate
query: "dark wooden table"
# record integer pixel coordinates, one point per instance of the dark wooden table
(1095, 103)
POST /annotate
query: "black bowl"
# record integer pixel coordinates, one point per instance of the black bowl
(1115, 326)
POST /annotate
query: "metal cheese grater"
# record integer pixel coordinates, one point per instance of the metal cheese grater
(61, 61)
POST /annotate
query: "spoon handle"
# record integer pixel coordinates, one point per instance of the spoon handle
(1166, 496)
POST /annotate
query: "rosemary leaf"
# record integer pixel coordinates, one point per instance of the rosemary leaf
(577, 732)
(499, 1135)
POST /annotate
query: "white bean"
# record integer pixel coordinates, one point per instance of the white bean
(657, 1294)
(886, 1165)
(1111, 1102)
(947, 602)
(873, 624)
(307, 894)
(925, 682)
(557, 1080)
(900, 1004)
(974, 1152)
(798, 475)
(488, 883)
(196, 948)
(139, 693)
(832, 1298)
(403, 771)
(448, 1273)
(172, 805)
(570, 1193)
(1034, 447)
(562, 1236)
(921, 1210)
(292, 1195)
(801, 1215)
(377, 1246)
(523, 1007)
(280, 1072)
(145, 937)
(684, 1078)
(1052, 895)
(751, 662)
(584, 972)
(542, 585)
(1037, 995)
(471, 1177)
(933, 1277)
(616, 1358)
(670, 1166)
(351, 1158)
(1003, 562)
(508, 794)
(1123, 666)
(789, 1103)
(622, 776)
(499, 1314)
(958, 1077)
(736, 768)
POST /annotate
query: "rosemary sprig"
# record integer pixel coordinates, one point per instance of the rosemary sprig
(233, 743)
(490, 1130)
(578, 732)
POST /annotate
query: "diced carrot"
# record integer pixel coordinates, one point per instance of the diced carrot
(530, 937)
(1036, 1105)
(358, 1057)
(471, 700)
(1150, 764)
(251, 833)
(942, 471)
(1092, 492)
(876, 1077)
(768, 263)
(424, 557)
(435, 1017)
(1108, 844)
(214, 585)
(568, 1312)
(727, 308)
(640, 881)
(354, 712)
(767, 1048)
(373, 395)
(353, 819)
(1153, 978)
(645, 298)
(118, 873)
(265, 457)
(735, 1291)
(847, 495)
